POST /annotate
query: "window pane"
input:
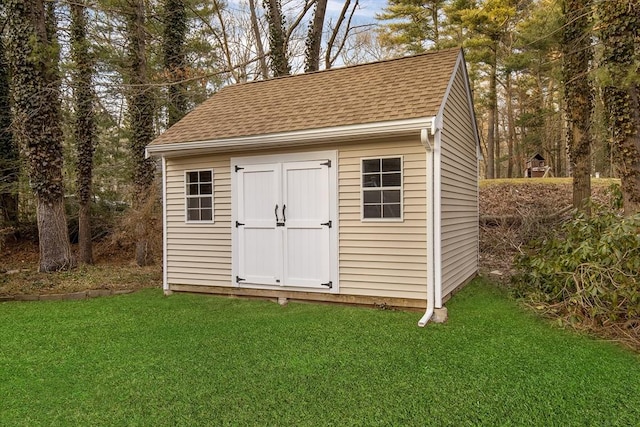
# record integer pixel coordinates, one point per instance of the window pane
(192, 189)
(206, 214)
(205, 176)
(391, 165)
(205, 202)
(205, 189)
(192, 176)
(371, 180)
(192, 203)
(392, 211)
(372, 196)
(372, 211)
(193, 215)
(391, 196)
(371, 165)
(391, 180)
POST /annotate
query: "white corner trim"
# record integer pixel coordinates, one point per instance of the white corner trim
(165, 273)
(309, 136)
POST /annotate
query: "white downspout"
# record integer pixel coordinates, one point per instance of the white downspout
(165, 281)
(436, 129)
(424, 139)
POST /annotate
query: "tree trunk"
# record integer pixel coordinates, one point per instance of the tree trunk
(53, 235)
(33, 57)
(620, 58)
(314, 38)
(511, 136)
(9, 164)
(631, 180)
(624, 109)
(175, 30)
(491, 122)
(84, 127)
(141, 111)
(262, 60)
(578, 53)
(277, 40)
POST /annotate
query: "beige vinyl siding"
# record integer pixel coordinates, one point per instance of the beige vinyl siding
(199, 254)
(459, 191)
(386, 259)
(379, 259)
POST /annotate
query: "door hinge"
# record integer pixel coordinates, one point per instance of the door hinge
(239, 279)
(238, 224)
(328, 223)
(327, 163)
(238, 168)
(329, 284)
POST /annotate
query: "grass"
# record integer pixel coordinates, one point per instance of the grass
(148, 360)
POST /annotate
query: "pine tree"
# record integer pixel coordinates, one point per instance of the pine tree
(33, 57)
(413, 25)
(84, 125)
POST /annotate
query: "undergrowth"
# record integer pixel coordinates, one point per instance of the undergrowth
(588, 272)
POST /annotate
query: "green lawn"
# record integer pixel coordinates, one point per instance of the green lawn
(145, 359)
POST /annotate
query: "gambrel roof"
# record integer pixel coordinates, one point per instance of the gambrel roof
(404, 88)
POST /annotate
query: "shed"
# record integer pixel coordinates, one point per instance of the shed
(350, 185)
(536, 167)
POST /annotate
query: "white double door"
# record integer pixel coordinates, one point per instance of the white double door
(283, 224)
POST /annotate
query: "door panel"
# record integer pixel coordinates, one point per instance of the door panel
(306, 241)
(281, 209)
(259, 241)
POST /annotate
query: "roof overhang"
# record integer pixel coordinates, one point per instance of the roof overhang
(365, 131)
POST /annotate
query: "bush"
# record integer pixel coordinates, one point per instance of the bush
(591, 268)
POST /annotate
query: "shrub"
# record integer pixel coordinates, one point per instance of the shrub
(591, 268)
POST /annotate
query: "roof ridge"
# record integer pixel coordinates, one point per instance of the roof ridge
(347, 67)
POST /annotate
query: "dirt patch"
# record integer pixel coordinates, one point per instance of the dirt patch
(114, 270)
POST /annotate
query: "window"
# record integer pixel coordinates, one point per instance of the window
(199, 195)
(382, 188)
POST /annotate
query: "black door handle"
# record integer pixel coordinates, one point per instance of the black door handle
(276, 211)
(284, 214)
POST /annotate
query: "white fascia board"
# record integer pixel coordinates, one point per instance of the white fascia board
(296, 138)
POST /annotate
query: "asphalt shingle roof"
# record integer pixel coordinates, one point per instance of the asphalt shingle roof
(404, 88)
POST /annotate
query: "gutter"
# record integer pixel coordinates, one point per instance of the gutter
(295, 138)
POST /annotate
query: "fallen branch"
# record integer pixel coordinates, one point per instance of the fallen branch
(499, 220)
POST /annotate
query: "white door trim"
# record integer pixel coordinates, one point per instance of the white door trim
(323, 156)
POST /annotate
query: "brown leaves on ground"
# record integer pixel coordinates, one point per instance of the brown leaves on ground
(516, 211)
(114, 269)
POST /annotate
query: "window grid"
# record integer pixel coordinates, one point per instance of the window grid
(199, 195)
(382, 188)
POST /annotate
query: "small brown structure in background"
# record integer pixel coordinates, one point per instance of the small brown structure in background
(536, 167)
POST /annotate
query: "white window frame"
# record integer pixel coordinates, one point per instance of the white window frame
(188, 196)
(363, 189)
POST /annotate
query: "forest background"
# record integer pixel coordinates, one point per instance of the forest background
(85, 85)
